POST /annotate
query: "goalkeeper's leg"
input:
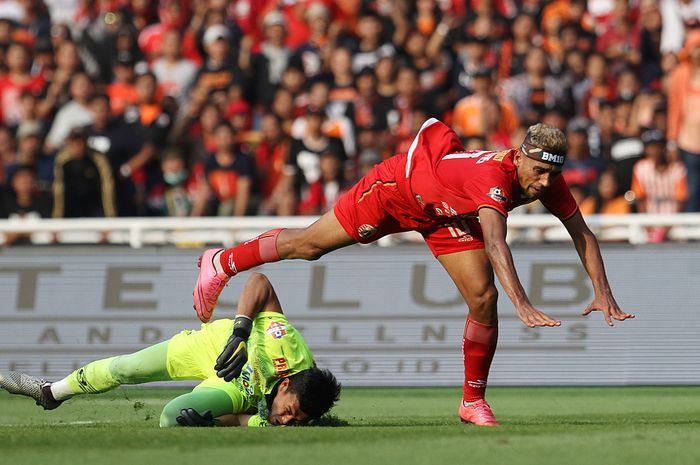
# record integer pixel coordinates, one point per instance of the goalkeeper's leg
(144, 366)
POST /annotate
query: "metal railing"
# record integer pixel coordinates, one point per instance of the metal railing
(139, 232)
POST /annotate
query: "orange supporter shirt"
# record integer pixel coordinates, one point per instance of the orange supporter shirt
(121, 95)
(467, 117)
(616, 206)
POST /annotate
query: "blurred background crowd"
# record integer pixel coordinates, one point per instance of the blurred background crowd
(275, 107)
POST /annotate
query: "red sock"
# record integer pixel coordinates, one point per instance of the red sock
(252, 253)
(478, 347)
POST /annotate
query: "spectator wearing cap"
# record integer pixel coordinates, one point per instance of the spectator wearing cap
(469, 118)
(24, 200)
(230, 174)
(303, 163)
(175, 73)
(270, 158)
(30, 136)
(370, 45)
(83, 183)
(271, 58)
(580, 167)
(535, 91)
(659, 185)
(75, 113)
(606, 198)
(683, 117)
(311, 55)
(219, 68)
(17, 80)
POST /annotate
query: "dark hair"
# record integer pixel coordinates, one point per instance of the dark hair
(318, 390)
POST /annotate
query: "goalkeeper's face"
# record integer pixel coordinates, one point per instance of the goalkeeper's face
(285, 408)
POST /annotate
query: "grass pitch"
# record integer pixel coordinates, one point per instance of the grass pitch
(570, 426)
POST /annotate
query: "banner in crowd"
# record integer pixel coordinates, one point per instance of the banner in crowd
(375, 316)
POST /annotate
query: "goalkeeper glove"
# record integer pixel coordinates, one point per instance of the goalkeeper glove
(235, 355)
(191, 417)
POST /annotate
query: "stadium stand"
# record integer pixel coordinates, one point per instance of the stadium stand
(189, 108)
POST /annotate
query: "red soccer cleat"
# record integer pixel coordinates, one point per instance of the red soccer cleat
(478, 413)
(209, 285)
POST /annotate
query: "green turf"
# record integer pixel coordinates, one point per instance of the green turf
(563, 426)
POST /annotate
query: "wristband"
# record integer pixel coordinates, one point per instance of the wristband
(242, 326)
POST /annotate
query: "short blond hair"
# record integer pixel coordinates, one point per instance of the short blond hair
(547, 137)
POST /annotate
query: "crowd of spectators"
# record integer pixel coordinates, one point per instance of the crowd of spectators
(276, 107)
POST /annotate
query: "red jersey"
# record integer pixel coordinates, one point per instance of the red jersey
(437, 189)
(445, 180)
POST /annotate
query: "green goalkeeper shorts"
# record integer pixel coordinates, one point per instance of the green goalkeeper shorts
(192, 355)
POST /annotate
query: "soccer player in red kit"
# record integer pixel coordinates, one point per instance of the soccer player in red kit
(459, 201)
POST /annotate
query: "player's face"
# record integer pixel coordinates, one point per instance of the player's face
(285, 408)
(534, 176)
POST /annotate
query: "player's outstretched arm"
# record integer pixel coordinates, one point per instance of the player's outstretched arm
(493, 224)
(588, 250)
(258, 295)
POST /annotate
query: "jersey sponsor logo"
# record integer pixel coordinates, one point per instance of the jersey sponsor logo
(445, 210)
(496, 193)
(281, 368)
(366, 230)
(276, 330)
(244, 380)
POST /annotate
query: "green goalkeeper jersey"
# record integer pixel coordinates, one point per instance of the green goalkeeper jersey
(276, 350)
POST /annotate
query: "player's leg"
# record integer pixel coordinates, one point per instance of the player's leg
(358, 216)
(217, 266)
(147, 365)
(472, 274)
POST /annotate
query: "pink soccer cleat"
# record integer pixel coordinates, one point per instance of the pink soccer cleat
(209, 285)
(478, 413)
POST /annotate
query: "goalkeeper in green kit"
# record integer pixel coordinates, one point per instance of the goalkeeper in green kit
(255, 370)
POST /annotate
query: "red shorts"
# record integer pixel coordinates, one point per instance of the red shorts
(379, 205)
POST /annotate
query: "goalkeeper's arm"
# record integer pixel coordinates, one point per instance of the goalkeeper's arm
(258, 295)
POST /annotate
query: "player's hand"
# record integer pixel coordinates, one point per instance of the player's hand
(233, 358)
(532, 317)
(191, 417)
(607, 305)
